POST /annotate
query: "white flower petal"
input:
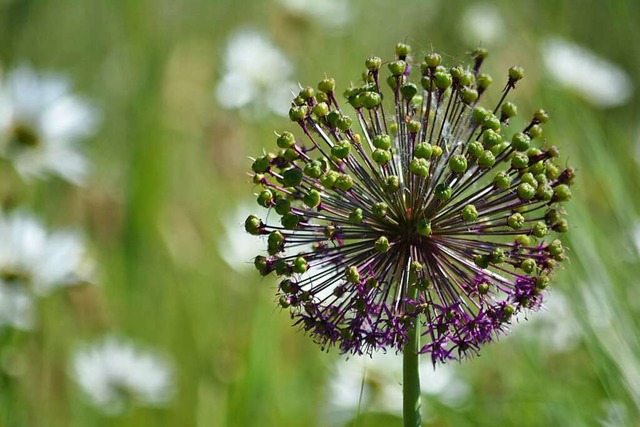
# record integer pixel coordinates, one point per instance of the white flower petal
(596, 79)
(112, 371)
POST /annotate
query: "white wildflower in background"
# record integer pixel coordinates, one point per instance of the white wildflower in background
(16, 308)
(330, 13)
(482, 22)
(38, 260)
(114, 374)
(255, 73)
(34, 262)
(596, 79)
(41, 122)
(554, 327)
(371, 384)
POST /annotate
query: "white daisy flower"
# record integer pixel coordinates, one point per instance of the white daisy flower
(114, 373)
(41, 122)
(596, 79)
(255, 72)
(363, 384)
(330, 13)
(37, 260)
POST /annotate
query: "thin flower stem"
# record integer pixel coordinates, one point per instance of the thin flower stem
(410, 373)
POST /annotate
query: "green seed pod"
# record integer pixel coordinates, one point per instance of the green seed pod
(520, 141)
(356, 216)
(491, 138)
(555, 248)
(408, 91)
(456, 72)
(379, 209)
(265, 198)
(467, 79)
(275, 242)
(469, 96)
(286, 140)
(413, 126)
(261, 164)
(253, 225)
(282, 206)
(312, 199)
(498, 256)
(443, 192)
(382, 244)
(419, 167)
(382, 141)
(307, 93)
(469, 213)
(313, 169)
(516, 73)
(562, 226)
(261, 264)
(561, 193)
(292, 177)
(491, 122)
(290, 221)
(528, 265)
(397, 68)
(544, 192)
(479, 115)
(352, 275)
(481, 261)
(299, 265)
(392, 184)
(402, 50)
(526, 191)
(516, 221)
(508, 110)
(436, 151)
(458, 163)
(327, 85)
(432, 59)
(373, 64)
(344, 123)
(321, 109)
(370, 99)
(475, 149)
(502, 181)
(442, 80)
(529, 179)
(329, 180)
(424, 227)
(540, 117)
(539, 229)
(423, 150)
(483, 82)
(519, 160)
(298, 113)
(344, 182)
(487, 159)
(535, 131)
(341, 150)
(381, 157)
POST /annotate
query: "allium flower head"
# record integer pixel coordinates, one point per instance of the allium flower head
(41, 122)
(114, 373)
(416, 203)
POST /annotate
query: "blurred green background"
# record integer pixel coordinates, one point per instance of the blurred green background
(169, 177)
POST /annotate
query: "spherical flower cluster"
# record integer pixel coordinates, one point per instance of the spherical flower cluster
(433, 210)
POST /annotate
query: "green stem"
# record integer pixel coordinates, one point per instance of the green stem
(410, 372)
